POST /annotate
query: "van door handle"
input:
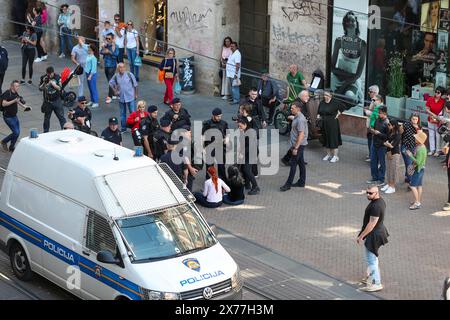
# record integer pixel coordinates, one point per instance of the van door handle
(86, 253)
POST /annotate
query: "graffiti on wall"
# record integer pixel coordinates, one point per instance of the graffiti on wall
(285, 35)
(304, 8)
(187, 19)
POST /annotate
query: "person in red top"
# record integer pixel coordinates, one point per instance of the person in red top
(134, 121)
(434, 106)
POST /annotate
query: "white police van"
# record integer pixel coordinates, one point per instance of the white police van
(102, 223)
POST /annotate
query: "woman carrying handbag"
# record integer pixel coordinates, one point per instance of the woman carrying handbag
(170, 68)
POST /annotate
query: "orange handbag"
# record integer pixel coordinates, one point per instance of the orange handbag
(161, 75)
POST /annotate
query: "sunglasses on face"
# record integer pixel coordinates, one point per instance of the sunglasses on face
(437, 92)
(109, 39)
(83, 103)
(370, 193)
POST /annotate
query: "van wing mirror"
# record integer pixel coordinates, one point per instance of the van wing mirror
(106, 257)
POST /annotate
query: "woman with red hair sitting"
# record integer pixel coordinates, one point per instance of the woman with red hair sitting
(212, 195)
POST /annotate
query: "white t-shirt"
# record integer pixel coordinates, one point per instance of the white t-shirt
(210, 191)
(231, 64)
(119, 41)
(131, 39)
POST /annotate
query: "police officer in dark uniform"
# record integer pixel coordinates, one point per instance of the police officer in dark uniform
(179, 169)
(258, 115)
(112, 132)
(192, 163)
(50, 85)
(148, 127)
(216, 122)
(178, 116)
(161, 138)
(81, 116)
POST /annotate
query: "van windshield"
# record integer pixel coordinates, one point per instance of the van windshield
(170, 233)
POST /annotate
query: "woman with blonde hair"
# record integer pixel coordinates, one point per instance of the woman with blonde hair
(432, 18)
(170, 67)
(134, 121)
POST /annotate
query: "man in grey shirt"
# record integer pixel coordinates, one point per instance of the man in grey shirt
(298, 142)
(79, 57)
(124, 85)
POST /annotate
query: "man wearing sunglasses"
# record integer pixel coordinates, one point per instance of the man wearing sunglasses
(110, 53)
(374, 235)
(434, 106)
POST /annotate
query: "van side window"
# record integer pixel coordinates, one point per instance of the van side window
(99, 236)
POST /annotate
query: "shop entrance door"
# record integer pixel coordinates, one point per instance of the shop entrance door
(254, 41)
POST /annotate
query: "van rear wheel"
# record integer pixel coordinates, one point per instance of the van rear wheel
(19, 262)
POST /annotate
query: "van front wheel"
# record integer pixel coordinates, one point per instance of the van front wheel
(19, 262)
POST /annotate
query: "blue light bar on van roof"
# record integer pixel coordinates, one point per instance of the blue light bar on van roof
(138, 151)
(34, 134)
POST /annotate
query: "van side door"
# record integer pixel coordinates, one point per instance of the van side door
(99, 280)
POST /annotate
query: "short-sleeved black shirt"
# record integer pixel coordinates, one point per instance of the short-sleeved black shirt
(376, 208)
(10, 111)
(112, 136)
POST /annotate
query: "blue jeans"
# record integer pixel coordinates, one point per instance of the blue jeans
(65, 38)
(373, 269)
(378, 163)
(407, 161)
(235, 93)
(123, 112)
(227, 200)
(13, 124)
(92, 84)
(120, 56)
(131, 54)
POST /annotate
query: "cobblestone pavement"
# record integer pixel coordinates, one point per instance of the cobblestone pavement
(316, 226)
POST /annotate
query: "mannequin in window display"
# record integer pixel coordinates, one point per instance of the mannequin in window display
(432, 17)
(159, 16)
(348, 62)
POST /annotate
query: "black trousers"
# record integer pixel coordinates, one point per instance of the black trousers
(56, 107)
(248, 175)
(109, 72)
(28, 58)
(298, 160)
(448, 179)
(2, 77)
(270, 106)
(39, 48)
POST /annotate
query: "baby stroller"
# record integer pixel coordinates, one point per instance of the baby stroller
(69, 97)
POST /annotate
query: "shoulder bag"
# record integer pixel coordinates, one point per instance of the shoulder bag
(170, 75)
(162, 72)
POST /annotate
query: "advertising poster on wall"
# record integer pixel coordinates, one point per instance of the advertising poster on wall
(348, 62)
(444, 20)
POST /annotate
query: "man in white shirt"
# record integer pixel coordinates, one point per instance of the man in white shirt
(234, 72)
(119, 34)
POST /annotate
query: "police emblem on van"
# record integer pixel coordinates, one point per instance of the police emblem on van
(98, 272)
(192, 264)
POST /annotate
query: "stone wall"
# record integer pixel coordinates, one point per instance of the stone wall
(7, 28)
(298, 36)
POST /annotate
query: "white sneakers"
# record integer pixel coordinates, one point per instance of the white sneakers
(37, 60)
(330, 158)
(62, 55)
(387, 189)
(94, 105)
(44, 58)
(384, 188)
(372, 288)
(326, 158)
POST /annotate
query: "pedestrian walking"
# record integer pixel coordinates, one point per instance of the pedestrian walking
(177, 115)
(112, 132)
(378, 153)
(245, 155)
(4, 61)
(170, 67)
(329, 111)
(215, 123)
(237, 185)
(374, 235)
(298, 142)
(226, 53)
(148, 127)
(374, 90)
(119, 35)
(212, 195)
(50, 85)
(91, 74)
(110, 53)
(79, 57)
(134, 122)
(410, 128)
(419, 159)
(125, 86)
(28, 49)
(65, 32)
(392, 156)
(132, 45)
(434, 107)
(44, 19)
(36, 22)
(233, 72)
(10, 100)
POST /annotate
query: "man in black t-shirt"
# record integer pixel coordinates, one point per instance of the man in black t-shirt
(374, 235)
(112, 133)
(10, 99)
(148, 127)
